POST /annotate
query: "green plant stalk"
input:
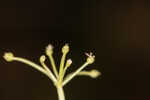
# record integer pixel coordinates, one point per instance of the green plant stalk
(61, 70)
(47, 72)
(53, 65)
(85, 73)
(72, 75)
(37, 67)
(60, 92)
(52, 77)
(64, 72)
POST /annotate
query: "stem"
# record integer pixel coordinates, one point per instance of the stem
(84, 73)
(53, 65)
(71, 76)
(52, 77)
(61, 67)
(60, 92)
(64, 72)
(37, 67)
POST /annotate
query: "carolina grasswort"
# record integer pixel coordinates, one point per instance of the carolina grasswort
(58, 78)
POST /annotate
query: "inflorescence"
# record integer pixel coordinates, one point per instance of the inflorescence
(58, 76)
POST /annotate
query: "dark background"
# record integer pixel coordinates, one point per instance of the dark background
(116, 31)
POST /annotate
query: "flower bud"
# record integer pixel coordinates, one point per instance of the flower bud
(65, 48)
(8, 56)
(91, 58)
(49, 50)
(68, 63)
(94, 73)
(42, 58)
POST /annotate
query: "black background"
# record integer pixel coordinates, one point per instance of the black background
(116, 31)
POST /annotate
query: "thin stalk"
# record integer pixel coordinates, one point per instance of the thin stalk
(84, 73)
(71, 76)
(37, 67)
(60, 91)
(61, 70)
(64, 72)
(49, 72)
(53, 65)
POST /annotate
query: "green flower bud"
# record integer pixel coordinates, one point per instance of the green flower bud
(65, 48)
(49, 50)
(42, 58)
(8, 56)
(91, 58)
(94, 73)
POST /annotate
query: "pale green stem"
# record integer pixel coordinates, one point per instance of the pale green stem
(93, 73)
(53, 65)
(48, 71)
(37, 67)
(62, 67)
(71, 76)
(84, 73)
(60, 91)
(64, 72)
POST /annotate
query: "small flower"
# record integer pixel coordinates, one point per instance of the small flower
(68, 63)
(94, 73)
(49, 50)
(8, 56)
(91, 58)
(65, 49)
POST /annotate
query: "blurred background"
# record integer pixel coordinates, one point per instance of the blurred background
(116, 31)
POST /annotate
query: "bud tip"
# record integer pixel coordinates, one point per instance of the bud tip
(95, 73)
(42, 58)
(8, 56)
(91, 57)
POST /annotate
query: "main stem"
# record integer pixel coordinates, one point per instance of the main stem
(60, 91)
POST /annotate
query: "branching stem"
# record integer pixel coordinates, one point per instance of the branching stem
(37, 67)
(71, 76)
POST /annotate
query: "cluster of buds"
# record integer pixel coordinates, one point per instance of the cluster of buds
(57, 77)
